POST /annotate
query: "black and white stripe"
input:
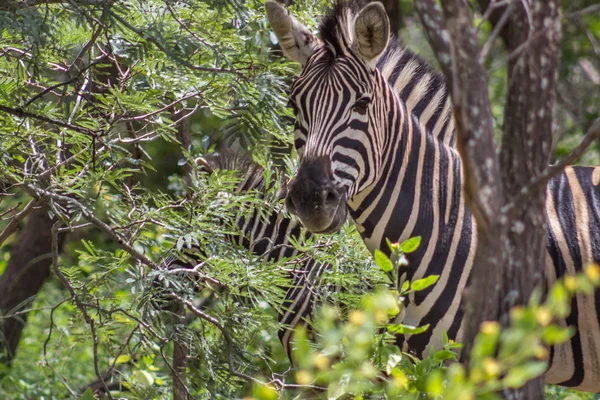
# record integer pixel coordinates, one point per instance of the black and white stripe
(267, 235)
(395, 161)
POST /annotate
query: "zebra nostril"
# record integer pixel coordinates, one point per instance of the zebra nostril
(330, 197)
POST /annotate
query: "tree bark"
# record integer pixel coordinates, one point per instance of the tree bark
(27, 270)
(179, 366)
(527, 143)
(511, 251)
(527, 136)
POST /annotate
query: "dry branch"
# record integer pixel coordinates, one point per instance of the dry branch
(540, 182)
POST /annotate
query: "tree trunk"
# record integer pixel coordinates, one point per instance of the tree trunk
(27, 270)
(511, 249)
(179, 366)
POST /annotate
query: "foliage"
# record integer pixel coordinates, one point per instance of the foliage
(359, 357)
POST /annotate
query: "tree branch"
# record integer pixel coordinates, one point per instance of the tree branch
(12, 226)
(26, 114)
(104, 227)
(540, 182)
(169, 53)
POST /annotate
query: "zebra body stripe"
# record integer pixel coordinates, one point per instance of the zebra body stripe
(401, 177)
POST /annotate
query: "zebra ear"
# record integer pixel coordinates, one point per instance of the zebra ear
(295, 39)
(372, 32)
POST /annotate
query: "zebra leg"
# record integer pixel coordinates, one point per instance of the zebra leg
(299, 302)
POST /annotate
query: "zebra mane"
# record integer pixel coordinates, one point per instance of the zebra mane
(415, 80)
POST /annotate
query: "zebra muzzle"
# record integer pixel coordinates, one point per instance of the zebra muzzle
(316, 200)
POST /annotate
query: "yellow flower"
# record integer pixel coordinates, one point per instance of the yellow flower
(543, 316)
(571, 283)
(593, 273)
(490, 366)
(381, 316)
(541, 353)
(490, 327)
(304, 377)
(322, 362)
(357, 317)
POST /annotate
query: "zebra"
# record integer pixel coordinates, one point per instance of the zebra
(268, 236)
(376, 141)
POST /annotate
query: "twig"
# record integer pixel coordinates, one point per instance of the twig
(89, 320)
(9, 210)
(188, 30)
(175, 373)
(200, 275)
(497, 28)
(67, 82)
(523, 46)
(594, 8)
(45, 347)
(94, 37)
(140, 322)
(20, 52)
(491, 7)
(539, 182)
(38, 192)
(228, 340)
(73, 228)
(23, 312)
(229, 343)
(26, 114)
(111, 370)
(140, 117)
(168, 51)
(14, 222)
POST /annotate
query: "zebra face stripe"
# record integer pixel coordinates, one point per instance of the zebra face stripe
(337, 102)
(336, 99)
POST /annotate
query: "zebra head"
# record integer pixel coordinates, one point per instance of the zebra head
(338, 100)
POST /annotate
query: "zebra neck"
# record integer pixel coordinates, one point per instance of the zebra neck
(423, 90)
(418, 192)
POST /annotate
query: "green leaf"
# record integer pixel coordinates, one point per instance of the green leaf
(383, 261)
(519, 375)
(88, 395)
(122, 359)
(410, 245)
(421, 284)
(402, 329)
(554, 334)
(142, 377)
(405, 287)
(435, 383)
(444, 355)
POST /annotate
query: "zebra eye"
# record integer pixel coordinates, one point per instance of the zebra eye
(362, 104)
